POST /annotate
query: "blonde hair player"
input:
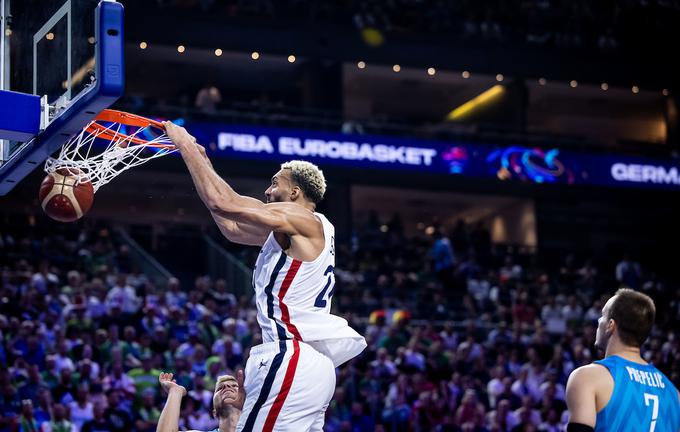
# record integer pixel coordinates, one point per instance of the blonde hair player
(290, 378)
(622, 392)
(227, 397)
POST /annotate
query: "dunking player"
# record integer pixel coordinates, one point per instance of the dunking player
(623, 392)
(290, 378)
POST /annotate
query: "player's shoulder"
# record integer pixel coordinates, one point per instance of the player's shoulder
(290, 208)
(588, 374)
(591, 369)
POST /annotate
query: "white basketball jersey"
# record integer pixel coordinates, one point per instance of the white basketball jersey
(294, 299)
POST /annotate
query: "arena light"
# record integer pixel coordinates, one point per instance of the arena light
(255, 55)
(542, 81)
(361, 65)
(465, 74)
(573, 83)
(81, 73)
(49, 36)
(218, 52)
(604, 86)
(181, 49)
(484, 98)
(500, 77)
(396, 68)
(291, 58)
(635, 89)
(431, 71)
(143, 45)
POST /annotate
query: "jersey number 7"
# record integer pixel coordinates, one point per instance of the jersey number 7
(655, 409)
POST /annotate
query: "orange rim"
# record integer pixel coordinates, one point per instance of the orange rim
(128, 119)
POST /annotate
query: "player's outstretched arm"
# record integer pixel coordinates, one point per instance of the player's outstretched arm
(212, 188)
(225, 203)
(581, 399)
(169, 419)
(239, 232)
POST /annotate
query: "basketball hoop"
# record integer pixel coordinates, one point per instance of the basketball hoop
(130, 140)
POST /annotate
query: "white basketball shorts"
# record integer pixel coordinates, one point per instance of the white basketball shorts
(288, 387)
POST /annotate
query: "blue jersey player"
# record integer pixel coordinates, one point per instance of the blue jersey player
(623, 392)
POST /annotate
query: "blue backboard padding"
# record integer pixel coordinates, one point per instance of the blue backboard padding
(19, 116)
(108, 87)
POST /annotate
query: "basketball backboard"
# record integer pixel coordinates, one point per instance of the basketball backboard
(69, 53)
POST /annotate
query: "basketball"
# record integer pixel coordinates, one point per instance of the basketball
(62, 199)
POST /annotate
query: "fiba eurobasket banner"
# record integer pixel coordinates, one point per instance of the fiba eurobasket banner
(527, 164)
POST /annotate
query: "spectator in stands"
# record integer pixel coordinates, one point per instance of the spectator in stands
(59, 422)
(27, 421)
(554, 317)
(502, 418)
(208, 98)
(65, 391)
(120, 381)
(443, 259)
(81, 409)
(43, 410)
(628, 272)
(99, 422)
(470, 410)
(32, 386)
(122, 296)
(147, 415)
(118, 418)
(174, 296)
(145, 377)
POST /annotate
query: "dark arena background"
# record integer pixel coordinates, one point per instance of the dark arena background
(496, 171)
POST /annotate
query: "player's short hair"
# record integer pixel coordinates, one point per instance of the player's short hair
(634, 314)
(308, 177)
(223, 378)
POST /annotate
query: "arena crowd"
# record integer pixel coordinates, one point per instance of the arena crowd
(463, 336)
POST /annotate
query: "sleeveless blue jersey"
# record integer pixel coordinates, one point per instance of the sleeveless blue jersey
(644, 399)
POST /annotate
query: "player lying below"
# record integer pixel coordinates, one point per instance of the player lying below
(227, 403)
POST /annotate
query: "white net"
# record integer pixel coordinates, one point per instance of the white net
(82, 158)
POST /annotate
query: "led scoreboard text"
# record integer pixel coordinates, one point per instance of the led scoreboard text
(503, 163)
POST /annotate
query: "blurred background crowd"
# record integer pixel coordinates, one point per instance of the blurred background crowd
(462, 337)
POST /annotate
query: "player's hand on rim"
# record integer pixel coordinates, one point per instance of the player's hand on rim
(179, 136)
(170, 385)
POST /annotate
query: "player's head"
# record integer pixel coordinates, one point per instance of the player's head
(297, 181)
(226, 390)
(628, 316)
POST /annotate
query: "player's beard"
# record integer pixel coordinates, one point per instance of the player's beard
(272, 199)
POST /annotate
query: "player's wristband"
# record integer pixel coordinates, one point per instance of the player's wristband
(579, 427)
